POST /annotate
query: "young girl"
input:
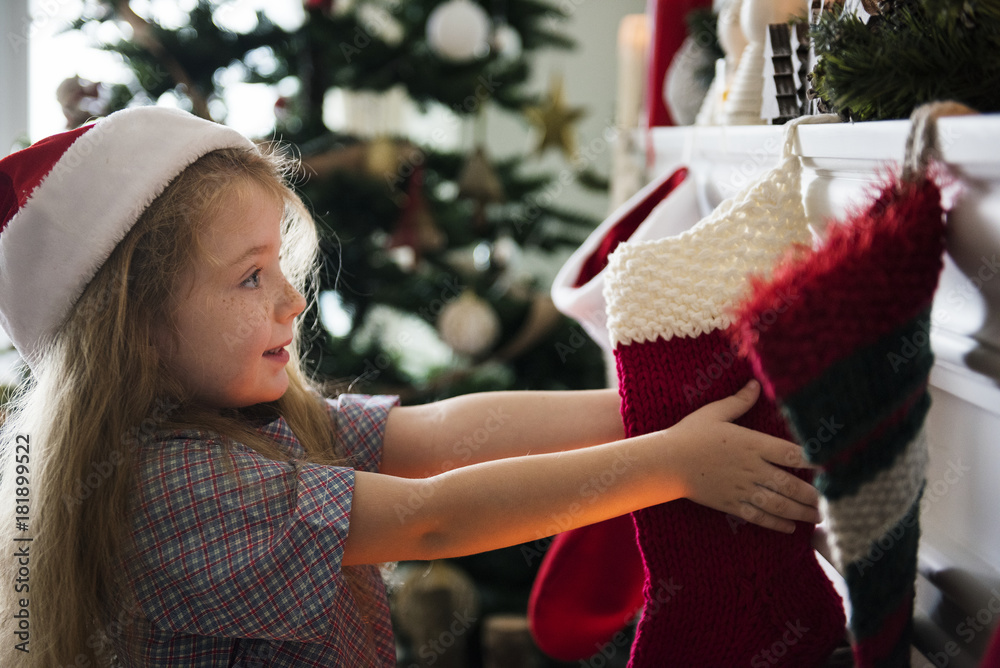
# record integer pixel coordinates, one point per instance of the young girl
(175, 493)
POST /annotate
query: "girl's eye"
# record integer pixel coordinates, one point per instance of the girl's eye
(253, 281)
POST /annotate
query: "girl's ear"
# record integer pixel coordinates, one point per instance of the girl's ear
(162, 336)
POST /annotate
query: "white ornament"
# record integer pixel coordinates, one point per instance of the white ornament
(469, 325)
(745, 95)
(459, 30)
(683, 92)
(733, 42)
(506, 41)
(381, 24)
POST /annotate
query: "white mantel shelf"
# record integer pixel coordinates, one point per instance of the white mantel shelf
(965, 140)
(843, 163)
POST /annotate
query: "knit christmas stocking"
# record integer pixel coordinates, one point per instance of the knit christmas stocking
(718, 591)
(840, 337)
(589, 585)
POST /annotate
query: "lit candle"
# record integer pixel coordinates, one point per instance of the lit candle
(633, 44)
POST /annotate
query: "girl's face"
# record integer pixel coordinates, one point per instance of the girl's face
(234, 309)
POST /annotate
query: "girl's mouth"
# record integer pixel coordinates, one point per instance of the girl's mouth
(279, 355)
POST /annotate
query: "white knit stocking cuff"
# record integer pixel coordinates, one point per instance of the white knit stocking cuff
(687, 284)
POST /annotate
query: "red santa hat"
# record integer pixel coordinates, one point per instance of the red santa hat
(67, 200)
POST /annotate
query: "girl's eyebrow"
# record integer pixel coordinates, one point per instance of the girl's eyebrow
(250, 252)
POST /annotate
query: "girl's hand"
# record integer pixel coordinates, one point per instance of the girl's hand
(736, 470)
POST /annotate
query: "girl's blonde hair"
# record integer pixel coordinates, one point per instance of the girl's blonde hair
(100, 388)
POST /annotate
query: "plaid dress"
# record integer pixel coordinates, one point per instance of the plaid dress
(237, 557)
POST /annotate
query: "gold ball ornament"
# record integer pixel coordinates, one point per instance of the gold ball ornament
(428, 602)
(469, 325)
(383, 158)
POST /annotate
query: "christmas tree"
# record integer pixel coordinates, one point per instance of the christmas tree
(422, 247)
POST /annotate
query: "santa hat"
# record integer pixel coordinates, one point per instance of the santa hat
(67, 200)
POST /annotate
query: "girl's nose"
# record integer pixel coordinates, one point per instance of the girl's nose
(291, 303)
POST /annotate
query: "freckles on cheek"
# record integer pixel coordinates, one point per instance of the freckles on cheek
(241, 323)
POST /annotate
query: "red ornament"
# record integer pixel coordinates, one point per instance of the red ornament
(281, 107)
(416, 228)
(325, 6)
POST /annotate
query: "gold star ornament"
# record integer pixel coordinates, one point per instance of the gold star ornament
(555, 121)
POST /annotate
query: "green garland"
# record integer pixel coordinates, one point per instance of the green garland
(915, 51)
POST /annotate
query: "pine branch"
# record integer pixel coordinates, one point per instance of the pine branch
(146, 37)
(920, 51)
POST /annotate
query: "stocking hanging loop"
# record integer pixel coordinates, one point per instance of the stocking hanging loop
(922, 140)
(790, 132)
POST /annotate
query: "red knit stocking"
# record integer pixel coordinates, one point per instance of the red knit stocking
(718, 591)
(590, 583)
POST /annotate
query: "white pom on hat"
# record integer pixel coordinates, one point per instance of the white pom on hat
(67, 200)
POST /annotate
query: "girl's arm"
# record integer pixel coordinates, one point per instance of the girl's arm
(421, 441)
(499, 503)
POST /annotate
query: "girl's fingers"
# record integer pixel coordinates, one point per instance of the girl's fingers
(755, 515)
(732, 407)
(778, 512)
(784, 507)
(790, 486)
(787, 454)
